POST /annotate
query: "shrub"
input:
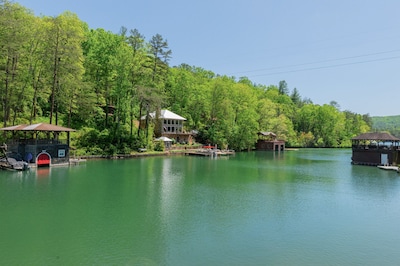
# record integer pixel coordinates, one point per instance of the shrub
(159, 146)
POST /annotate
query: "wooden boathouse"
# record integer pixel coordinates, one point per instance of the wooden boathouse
(40, 144)
(374, 149)
(267, 141)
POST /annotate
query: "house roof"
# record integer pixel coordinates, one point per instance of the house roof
(165, 114)
(378, 136)
(38, 127)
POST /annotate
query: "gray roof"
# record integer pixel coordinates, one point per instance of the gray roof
(163, 139)
(378, 136)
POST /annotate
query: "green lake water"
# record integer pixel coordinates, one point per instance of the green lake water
(306, 207)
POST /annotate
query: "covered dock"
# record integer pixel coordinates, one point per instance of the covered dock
(40, 144)
(377, 148)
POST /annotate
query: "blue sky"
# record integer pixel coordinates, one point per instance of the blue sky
(344, 50)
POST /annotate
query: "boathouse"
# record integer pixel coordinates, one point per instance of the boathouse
(377, 148)
(267, 141)
(169, 125)
(41, 144)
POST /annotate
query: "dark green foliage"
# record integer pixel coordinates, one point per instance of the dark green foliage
(159, 146)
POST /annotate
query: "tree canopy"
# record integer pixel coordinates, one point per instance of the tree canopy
(58, 70)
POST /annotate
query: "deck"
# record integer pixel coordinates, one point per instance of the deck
(388, 167)
(210, 152)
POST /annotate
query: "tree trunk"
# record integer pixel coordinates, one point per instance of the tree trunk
(55, 77)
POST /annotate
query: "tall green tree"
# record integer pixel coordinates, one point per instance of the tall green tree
(100, 51)
(139, 75)
(244, 125)
(65, 34)
(15, 22)
(283, 87)
(296, 98)
(161, 54)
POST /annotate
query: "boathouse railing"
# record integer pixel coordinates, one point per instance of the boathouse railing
(37, 141)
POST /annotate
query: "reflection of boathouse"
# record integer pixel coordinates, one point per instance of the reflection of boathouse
(267, 142)
(41, 143)
(375, 149)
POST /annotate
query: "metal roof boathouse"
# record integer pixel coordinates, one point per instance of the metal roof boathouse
(41, 144)
(374, 149)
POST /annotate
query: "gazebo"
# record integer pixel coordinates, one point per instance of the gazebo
(376, 148)
(167, 141)
(39, 143)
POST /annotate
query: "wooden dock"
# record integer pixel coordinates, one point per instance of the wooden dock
(210, 152)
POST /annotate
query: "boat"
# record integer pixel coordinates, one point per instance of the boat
(13, 164)
(8, 163)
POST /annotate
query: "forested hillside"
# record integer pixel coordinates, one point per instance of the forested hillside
(57, 70)
(387, 123)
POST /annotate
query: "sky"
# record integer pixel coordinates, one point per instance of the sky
(347, 51)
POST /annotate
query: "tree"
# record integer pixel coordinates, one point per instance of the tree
(244, 125)
(64, 37)
(37, 69)
(100, 50)
(283, 87)
(160, 56)
(138, 72)
(296, 98)
(266, 110)
(14, 35)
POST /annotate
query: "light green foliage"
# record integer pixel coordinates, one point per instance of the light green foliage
(244, 124)
(15, 33)
(102, 83)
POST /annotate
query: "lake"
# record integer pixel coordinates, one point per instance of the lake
(305, 207)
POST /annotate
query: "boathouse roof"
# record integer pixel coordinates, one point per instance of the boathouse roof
(165, 114)
(38, 127)
(378, 136)
(267, 133)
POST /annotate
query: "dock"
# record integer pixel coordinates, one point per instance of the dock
(210, 152)
(388, 167)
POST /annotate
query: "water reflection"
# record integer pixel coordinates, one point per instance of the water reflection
(42, 172)
(371, 181)
(171, 185)
(309, 207)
